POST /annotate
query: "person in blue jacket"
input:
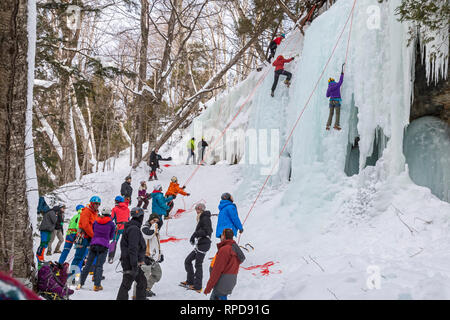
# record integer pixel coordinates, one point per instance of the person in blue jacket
(228, 216)
(159, 203)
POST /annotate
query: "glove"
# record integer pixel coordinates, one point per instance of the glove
(293, 58)
(192, 240)
(161, 258)
(183, 187)
(188, 194)
(149, 261)
(242, 230)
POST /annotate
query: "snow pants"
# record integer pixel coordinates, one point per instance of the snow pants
(56, 234)
(278, 73)
(334, 105)
(127, 282)
(143, 201)
(70, 238)
(194, 278)
(80, 254)
(97, 255)
(191, 154)
(45, 238)
(217, 296)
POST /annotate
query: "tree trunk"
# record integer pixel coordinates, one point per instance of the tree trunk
(16, 243)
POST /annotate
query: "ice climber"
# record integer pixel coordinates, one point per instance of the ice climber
(279, 70)
(274, 45)
(334, 93)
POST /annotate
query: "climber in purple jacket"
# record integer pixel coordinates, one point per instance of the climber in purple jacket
(334, 93)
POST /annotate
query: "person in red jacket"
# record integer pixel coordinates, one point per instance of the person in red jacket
(224, 267)
(279, 70)
(274, 45)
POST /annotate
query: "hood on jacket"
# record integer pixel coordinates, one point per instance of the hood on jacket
(103, 219)
(225, 203)
(122, 205)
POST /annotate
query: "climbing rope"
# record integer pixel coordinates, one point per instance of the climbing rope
(306, 105)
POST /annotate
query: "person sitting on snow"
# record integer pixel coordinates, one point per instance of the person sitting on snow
(279, 70)
(274, 45)
(334, 93)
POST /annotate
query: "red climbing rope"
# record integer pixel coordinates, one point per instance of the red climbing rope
(306, 105)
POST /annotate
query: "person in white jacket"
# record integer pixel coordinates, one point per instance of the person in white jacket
(153, 256)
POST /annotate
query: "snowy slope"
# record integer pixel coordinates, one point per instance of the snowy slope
(321, 234)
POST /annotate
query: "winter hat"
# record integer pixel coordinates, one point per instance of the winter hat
(174, 179)
(154, 216)
(226, 196)
(157, 187)
(127, 177)
(200, 206)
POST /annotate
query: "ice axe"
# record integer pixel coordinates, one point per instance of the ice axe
(342, 71)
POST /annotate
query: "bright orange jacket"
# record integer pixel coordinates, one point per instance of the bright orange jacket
(175, 189)
(87, 219)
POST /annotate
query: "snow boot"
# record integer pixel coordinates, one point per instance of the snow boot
(99, 288)
(328, 128)
(191, 287)
(336, 127)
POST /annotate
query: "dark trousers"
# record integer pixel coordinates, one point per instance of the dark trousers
(194, 278)
(144, 201)
(272, 47)
(277, 76)
(97, 255)
(127, 282)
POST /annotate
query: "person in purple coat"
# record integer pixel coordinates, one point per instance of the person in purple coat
(103, 233)
(334, 93)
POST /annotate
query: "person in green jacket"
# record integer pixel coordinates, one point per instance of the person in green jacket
(191, 148)
(71, 234)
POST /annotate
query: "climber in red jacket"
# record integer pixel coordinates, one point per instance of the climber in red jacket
(274, 45)
(279, 70)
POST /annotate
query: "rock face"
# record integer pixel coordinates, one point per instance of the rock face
(431, 99)
(427, 150)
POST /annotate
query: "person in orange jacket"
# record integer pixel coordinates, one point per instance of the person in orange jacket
(85, 230)
(173, 190)
(279, 70)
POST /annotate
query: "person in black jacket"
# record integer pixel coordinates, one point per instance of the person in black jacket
(132, 246)
(153, 162)
(201, 239)
(126, 190)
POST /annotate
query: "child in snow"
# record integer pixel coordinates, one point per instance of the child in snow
(142, 195)
(153, 256)
(103, 228)
(224, 267)
(228, 216)
(201, 240)
(274, 45)
(173, 190)
(279, 70)
(71, 234)
(334, 93)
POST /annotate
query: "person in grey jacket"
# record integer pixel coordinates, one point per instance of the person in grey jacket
(58, 232)
(46, 228)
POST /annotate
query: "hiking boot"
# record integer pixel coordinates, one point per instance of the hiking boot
(98, 288)
(49, 253)
(336, 127)
(191, 287)
(149, 293)
(287, 83)
(328, 128)
(57, 251)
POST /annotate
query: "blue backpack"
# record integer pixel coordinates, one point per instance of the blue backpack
(42, 206)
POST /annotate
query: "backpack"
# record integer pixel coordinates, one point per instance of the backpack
(42, 206)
